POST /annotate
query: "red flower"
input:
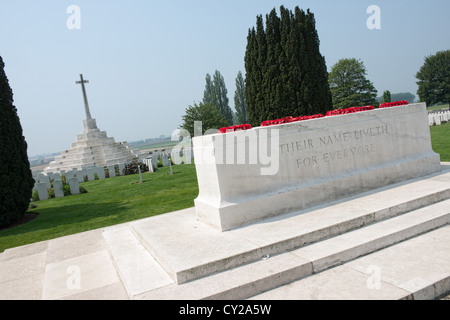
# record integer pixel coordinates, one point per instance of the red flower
(235, 128)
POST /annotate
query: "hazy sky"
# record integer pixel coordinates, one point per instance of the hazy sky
(147, 60)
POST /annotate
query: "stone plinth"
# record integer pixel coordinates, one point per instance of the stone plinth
(251, 175)
(93, 148)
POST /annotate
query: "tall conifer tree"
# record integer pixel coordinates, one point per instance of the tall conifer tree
(285, 73)
(16, 181)
(240, 103)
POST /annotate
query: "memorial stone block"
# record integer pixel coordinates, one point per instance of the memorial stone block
(247, 176)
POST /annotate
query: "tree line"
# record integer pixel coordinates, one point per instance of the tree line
(285, 75)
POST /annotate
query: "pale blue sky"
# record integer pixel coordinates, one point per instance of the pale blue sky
(147, 60)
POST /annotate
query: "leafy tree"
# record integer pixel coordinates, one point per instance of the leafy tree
(208, 93)
(207, 114)
(387, 96)
(220, 97)
(239, 100)
(434, 79)
(349, 85)
(216, 94)
(285, 73)
(16, 181)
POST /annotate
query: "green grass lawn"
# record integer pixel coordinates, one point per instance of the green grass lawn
(108, 202)
(440, 140)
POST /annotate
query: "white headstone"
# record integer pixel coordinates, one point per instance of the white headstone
(437, 119)
(121, 167)
(80, 176)
(90, 174)
(112, 171)
(74, 186)
(58, 187)
(165, 160)
(100, 173)
(69, 174)
(44, 179)
(42, 190)
(154, 161)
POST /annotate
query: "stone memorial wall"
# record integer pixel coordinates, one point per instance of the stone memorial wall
(250, 175)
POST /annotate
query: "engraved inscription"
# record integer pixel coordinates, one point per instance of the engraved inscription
(357, 148)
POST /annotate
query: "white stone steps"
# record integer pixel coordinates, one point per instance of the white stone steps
(251, 279)
(417, 269)
(137, 269)
(188, 249)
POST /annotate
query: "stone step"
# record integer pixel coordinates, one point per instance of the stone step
(417, 269)
(136, 267)
(275, 271)
(188, 249)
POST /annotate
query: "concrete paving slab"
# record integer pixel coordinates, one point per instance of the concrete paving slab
(22, 267)
(23, 251)
(72, 246)
(79, 274)
(138, 270)
(26, 288)
(115, 291)
(340, 283)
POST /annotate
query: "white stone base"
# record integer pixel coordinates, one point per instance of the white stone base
(318, 161)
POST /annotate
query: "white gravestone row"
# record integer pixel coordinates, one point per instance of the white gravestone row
(73, 179)
(437, 118)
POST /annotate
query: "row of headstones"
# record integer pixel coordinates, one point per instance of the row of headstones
(437, 118)
(73, 178)
(42, 188)
(166, 157)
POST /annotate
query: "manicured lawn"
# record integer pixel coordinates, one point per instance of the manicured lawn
(108, 202)
(440, 140)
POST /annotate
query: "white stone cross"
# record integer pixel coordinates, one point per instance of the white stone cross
(86, 104)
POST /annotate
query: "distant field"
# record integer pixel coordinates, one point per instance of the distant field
(160, 145)
(444, 106)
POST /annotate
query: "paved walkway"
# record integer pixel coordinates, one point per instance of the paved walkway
(80, 267)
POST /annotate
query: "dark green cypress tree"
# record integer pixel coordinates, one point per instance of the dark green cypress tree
(252, 79)
(285, 73)
(16, 181)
